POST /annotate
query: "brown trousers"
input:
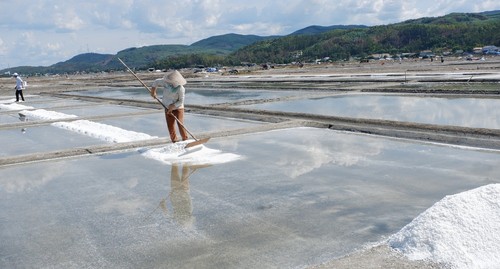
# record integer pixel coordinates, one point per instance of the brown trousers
(179, 113)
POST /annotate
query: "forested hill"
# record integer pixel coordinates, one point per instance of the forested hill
(228, 43)
(316, 29)
(456, 31)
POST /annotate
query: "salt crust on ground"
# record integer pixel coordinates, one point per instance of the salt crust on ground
(102, 131)
(43, 114)
(170, 154)
(176, 153)
(460, 231)
(13, 106)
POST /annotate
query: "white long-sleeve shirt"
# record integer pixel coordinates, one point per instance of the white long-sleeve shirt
(171, 95)
(19, 83)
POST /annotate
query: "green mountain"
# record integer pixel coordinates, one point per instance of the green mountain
(225, 44)
(456, 31)
(315, 29)
(145, 57)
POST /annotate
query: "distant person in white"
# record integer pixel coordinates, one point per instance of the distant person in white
(19, 87)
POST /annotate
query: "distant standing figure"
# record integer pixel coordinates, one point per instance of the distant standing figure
(19, 87)
(173, 99)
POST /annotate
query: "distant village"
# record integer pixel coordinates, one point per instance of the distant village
(476, 54)
(428, 54)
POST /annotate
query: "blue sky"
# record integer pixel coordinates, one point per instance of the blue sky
(44, 32)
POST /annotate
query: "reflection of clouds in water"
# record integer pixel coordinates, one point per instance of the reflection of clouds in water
(229, 144)
(308, 155)
(302, 158)
(124, 206)
(467, 112)
(23, 180)
(132, 183)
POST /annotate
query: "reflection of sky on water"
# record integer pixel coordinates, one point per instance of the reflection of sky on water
(215, 96)
(55, 103)
(100, 109)
(9, 118)
(154, 124)
(301, 196)
(466, 112)
(193, 96)
(40, 139)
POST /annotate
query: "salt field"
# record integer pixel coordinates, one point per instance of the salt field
(458, 111)
(199, 96)
(261, 210)
(266, 191)
(252, 135)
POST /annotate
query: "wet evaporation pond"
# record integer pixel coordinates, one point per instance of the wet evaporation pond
(29, 140)
(54, 103)
(298, 197)
(28, 97)
(11, 117)
(154, 124)
(102, 110)
(464, 112)
(194, 96)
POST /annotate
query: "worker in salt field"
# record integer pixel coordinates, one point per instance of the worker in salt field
(19, 87)
(172, 85)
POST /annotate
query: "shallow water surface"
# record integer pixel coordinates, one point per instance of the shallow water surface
(29, 140)
(298, 197)
(155, 123)
(195, 96)
(465, 112)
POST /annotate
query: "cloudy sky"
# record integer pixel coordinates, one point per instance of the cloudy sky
(44, 32)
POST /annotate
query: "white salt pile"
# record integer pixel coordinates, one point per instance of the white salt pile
(43, 114)
(102, 131)
(176, 153)
(172, 153)
(460, 231)
(14, 106)
(7, 101)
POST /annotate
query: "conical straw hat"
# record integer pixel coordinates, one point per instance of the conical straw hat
(175, 78)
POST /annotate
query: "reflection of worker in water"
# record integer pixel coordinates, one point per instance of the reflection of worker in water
(179, 194)
(23, 118)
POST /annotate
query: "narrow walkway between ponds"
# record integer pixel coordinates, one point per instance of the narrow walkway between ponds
(481, 138)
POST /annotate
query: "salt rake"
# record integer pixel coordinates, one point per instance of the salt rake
(188, 145)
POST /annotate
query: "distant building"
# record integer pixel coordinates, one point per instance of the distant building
(408, 55)
(296, 54)
(490, 50)
(378, 56)
(426, 54)
(477, 50)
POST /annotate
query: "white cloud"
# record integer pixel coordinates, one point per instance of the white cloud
(61, 29)
(3, 48)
